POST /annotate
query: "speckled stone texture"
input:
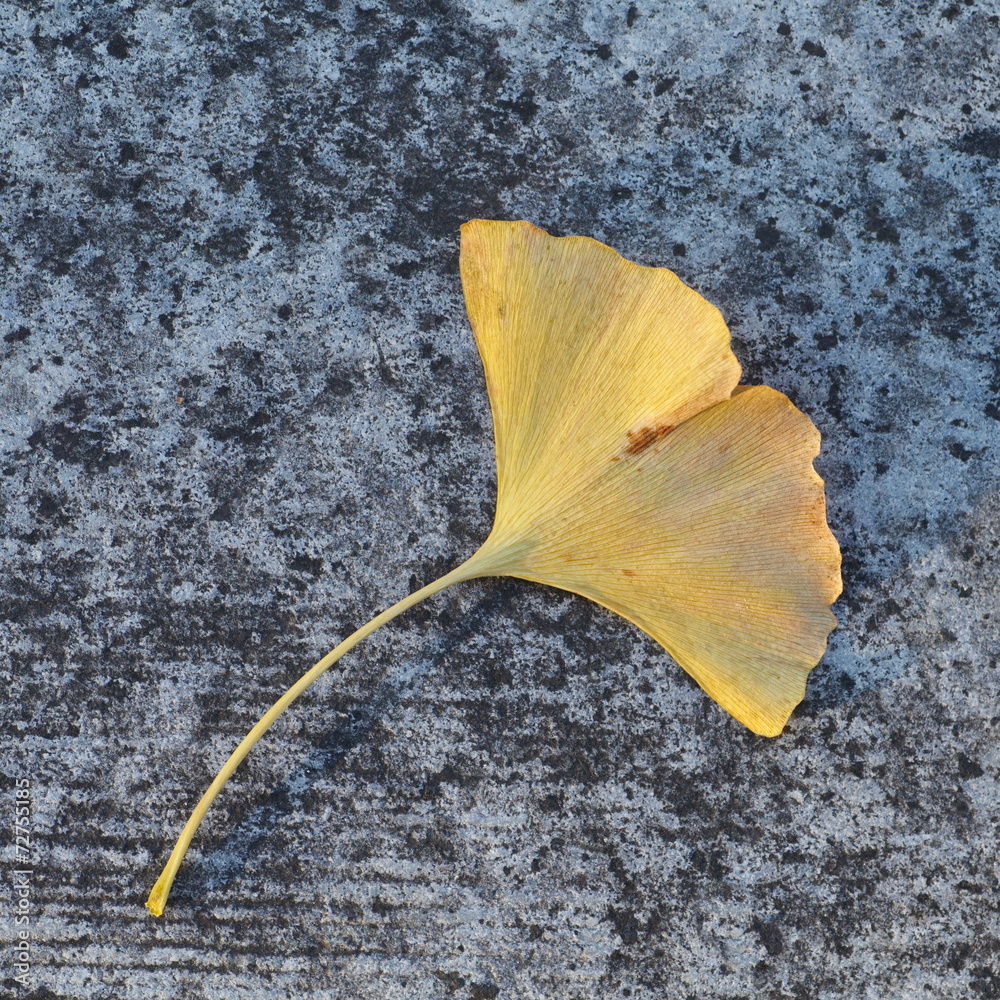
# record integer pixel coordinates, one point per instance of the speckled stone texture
(243, 411)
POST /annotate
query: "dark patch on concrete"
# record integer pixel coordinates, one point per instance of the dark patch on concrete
(984, 142)
(118, 46)
(767, 234)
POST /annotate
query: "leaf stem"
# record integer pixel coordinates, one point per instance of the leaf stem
(158, 897)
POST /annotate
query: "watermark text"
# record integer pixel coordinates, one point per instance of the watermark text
(22, 881)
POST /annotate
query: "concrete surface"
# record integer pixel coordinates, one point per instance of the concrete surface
(242, 411)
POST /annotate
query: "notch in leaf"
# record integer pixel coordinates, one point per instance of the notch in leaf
(633, 471)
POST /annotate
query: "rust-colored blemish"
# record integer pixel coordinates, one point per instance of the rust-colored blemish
(640, 440)
(629, 572)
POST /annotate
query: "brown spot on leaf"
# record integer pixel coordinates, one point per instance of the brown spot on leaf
(640, 440)
(629, 572)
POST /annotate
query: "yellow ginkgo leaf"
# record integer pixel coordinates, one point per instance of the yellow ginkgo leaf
(627, 474)
(633, 471)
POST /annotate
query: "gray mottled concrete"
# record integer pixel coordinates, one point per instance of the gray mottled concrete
(242, 411)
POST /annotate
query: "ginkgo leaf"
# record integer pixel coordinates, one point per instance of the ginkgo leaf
(633, 471)
(627, 474)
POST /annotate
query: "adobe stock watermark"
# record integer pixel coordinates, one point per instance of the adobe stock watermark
(22, 884)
